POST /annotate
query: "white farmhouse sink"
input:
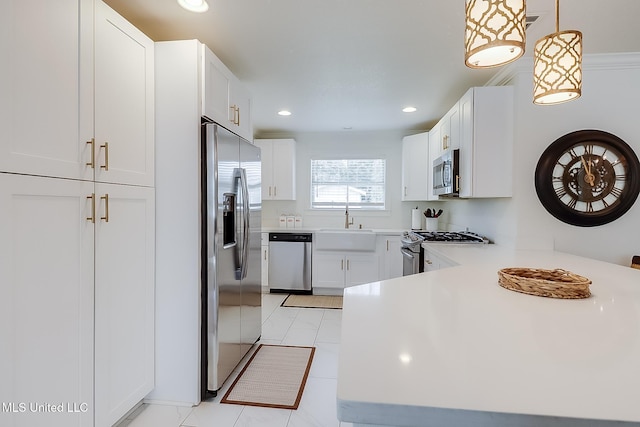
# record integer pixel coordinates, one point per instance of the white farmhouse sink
(345, 240)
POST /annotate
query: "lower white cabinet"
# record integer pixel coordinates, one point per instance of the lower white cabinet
(433, 262)
(388, 248)
(338, 270)
(46, 300)
(76, 273)
(124, 299)
(265, 260)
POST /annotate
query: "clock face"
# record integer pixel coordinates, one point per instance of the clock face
(588, 178)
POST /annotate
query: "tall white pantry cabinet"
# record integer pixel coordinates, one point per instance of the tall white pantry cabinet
(77, 214)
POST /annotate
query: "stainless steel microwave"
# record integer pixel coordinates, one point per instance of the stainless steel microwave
(446, 174)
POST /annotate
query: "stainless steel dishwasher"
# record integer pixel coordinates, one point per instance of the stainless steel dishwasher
(290, 262)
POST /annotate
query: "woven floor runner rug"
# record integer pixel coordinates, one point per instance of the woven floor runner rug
(274, 377)
(313, 301)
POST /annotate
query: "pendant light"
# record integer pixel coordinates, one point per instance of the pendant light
(557, 66)
(495, 32)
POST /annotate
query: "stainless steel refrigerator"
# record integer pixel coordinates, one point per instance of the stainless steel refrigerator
(231, 239)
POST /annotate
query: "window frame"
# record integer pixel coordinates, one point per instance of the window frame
(379, 207)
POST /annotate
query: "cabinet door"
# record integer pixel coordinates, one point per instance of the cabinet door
(414, 166)
(216, 81)
(266, 153)
(124, 101)
(284, 169)
(46, 302)
(390, 256)
(328, 269)
(450, 129)
(124, 299)
(240, 101)
(361, 268)
(46, 82)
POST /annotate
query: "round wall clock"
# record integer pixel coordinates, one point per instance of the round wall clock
(588, 178)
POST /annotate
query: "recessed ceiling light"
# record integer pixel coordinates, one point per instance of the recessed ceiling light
(284, 113)
(409, 109)
(194, 5)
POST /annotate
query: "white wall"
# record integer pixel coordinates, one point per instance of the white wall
(609, 102)
(610, 95)
(346, 144)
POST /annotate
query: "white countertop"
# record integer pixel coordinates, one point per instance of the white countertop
(453, 348)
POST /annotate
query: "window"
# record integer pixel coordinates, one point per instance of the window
(352, 183)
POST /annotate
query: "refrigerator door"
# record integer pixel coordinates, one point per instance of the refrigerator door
(251, 308)
(224, 234)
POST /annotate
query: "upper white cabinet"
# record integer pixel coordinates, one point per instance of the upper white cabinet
(225, 100)
(445, 135)
(61, 117)
(124, 106)
(46, 82)
(415, 170)
(278, 168)
(486, 140)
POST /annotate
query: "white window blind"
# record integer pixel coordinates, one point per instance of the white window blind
(352, 183)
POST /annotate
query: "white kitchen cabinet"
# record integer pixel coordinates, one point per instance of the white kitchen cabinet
(46, 82)
(124, 103)
(388, 249)
(225, 100)
(334, 271)
(52, 236)
(445, 135)
(265, 260)
(278, 168)
(46, 308)
(124, 299)
(486, 141)
(433, 261)
(415, 159)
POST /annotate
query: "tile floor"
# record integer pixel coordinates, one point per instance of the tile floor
(280, 325)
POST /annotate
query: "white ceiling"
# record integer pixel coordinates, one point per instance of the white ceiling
(355, 64)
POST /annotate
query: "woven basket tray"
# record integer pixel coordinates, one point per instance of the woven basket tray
(556, 283)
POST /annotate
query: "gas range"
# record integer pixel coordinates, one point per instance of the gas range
(416, 237)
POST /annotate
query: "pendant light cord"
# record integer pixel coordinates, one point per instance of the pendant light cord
(557, 16)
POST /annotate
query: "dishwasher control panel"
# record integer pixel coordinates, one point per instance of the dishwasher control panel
(290, 237)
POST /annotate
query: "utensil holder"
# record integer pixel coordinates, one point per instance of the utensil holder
(431, 224)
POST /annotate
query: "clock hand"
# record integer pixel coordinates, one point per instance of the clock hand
(590, 178)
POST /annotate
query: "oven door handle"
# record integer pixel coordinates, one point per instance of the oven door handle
(407, 253)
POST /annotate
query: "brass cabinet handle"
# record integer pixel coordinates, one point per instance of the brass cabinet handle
(106, 156)
(347, 264)
(341, 264)
(387, 245)
(93, 153)
(445, 142)
(275, 191)
(106, 207)
(265, 254)
(457, 183)
(269, 191)
(236, 115)
(92, 218)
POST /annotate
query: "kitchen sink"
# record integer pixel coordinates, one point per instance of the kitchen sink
(345, 240)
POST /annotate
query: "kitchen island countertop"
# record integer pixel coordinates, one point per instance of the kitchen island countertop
(453, 348)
